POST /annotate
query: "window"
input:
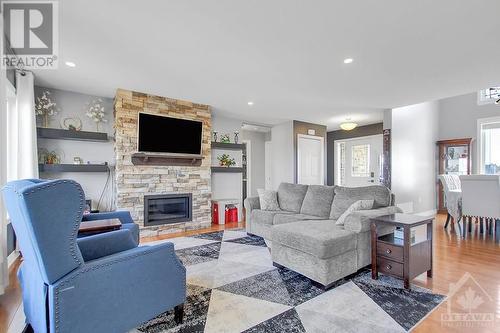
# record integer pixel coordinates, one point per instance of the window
(360, 161)
(488, 95)
(341, 165)
(489, 145)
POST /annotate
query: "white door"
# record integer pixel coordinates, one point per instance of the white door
(310, 160)
(358, 162)
(267, 163)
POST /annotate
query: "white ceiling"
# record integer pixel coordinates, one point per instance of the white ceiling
(286, 56)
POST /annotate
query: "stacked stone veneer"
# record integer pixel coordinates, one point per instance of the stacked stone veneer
(134, 181)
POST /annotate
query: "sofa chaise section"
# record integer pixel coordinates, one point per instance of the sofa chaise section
(307, 239)
(319, 250)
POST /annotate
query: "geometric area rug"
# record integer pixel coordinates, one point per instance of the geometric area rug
(234, 287)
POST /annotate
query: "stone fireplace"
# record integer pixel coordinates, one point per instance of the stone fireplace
(133, 181)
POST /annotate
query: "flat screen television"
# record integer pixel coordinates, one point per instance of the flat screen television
(167, 135)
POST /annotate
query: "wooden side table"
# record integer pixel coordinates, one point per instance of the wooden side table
(99, 226)
(399, 257)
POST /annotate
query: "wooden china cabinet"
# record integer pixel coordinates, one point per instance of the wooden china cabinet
(454, 159)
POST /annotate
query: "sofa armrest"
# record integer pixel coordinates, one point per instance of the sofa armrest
(359, 221)
(250, 204)
(105, 244)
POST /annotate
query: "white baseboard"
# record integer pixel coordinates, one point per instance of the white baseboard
(12, 257)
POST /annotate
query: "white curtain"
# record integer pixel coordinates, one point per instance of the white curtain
(18, 147)
(4, 271)
(22, 147)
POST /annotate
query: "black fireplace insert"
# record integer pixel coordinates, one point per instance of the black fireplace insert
(167, 208)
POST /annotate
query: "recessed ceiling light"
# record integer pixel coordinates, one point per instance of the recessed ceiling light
(348, 60)
(70, 64)
(250, 103)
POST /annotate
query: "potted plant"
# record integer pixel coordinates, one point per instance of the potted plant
(226, 161)
(225, 139)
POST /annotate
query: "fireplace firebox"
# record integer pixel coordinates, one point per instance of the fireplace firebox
(167, 208)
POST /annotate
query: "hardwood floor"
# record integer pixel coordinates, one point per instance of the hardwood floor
(454, 257)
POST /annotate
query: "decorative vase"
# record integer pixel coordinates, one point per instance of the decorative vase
(97, 125)
(215, 136)
(236, 137)
(46, 120)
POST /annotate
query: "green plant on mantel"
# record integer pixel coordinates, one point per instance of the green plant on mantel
(226, 161)
(225, 139)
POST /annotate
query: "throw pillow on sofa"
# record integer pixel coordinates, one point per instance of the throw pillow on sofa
(318, 201)
(268, 199)
(346, 196)
(358, 205)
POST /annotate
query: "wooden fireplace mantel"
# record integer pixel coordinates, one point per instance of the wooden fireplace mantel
(165, 160)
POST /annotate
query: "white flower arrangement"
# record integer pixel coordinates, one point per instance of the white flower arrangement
(45, 107)
(96, 112)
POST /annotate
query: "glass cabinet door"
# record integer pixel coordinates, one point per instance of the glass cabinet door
(456, 160)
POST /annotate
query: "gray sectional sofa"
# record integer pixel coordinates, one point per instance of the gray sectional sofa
(303, 234)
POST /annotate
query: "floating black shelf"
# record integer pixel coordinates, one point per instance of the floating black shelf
(164, 160)
(229, 146)
(227, 169)
(73, 167)
(63, 134)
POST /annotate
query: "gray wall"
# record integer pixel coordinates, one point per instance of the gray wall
(257, 159)
(458, 119)
(341, 135)
(282, 152)
(73, 104)
(414, 157)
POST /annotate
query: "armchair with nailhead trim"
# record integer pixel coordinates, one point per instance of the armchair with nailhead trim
(100, 283)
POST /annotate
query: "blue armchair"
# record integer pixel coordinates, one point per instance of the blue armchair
(100, 283)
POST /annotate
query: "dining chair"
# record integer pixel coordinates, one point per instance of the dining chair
(481, 199)
(452, 196)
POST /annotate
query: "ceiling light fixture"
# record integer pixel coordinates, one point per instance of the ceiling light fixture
(250, 103)
(348, 125)
(348, 60)
(70, 64)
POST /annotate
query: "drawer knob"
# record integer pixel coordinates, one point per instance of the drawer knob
(388, 267)
(388, 251)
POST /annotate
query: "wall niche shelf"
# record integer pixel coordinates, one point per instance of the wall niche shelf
(63, 134)
(242, 169)
(164, 160)
(73, 167)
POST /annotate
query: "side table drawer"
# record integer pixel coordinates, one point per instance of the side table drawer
(389, 267)
(390, 251)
